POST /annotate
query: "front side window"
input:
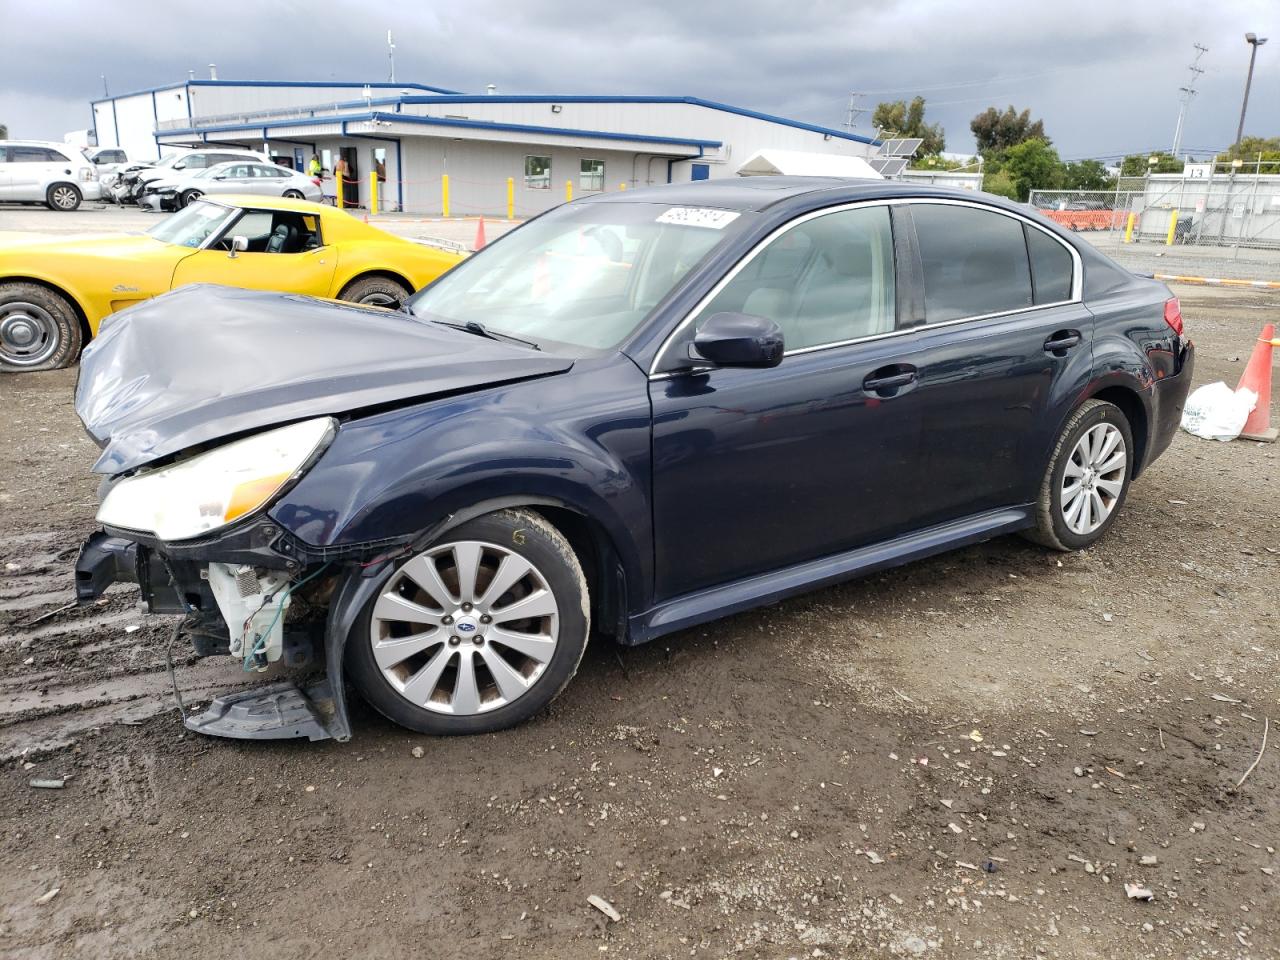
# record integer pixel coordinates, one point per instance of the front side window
(975, 262)
(582, 276)
(592, 175)
(826, 280)
(537, 173)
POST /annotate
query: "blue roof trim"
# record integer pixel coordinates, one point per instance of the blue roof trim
(445, 122)
(278, 83)
(695, 101)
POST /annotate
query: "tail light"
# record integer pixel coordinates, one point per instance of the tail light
(88, 173)
(1173, 315)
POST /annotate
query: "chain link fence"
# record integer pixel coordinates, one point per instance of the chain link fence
(1213, 221)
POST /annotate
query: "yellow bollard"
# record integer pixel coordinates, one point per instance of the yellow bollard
(568, 190)
(1128, 228)
(444, 194)
(373, 192)
(511, 198)
(1173, 225)
(622, 186)
(339, 200)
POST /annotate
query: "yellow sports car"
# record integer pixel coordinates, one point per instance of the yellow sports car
(54, 295)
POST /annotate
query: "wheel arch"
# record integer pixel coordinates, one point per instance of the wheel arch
(86, 332)
(1131, 403)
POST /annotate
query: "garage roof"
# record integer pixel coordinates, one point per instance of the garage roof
(793, 163)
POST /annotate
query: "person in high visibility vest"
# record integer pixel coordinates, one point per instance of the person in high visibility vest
(314, 167)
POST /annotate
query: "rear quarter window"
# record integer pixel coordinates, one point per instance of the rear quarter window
(974, 261)
(1051, 267)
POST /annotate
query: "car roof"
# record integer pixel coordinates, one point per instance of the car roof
(41, 143)
(747, 194)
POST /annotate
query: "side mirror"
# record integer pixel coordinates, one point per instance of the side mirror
(239, 244)
(179, 166)
(738, 340)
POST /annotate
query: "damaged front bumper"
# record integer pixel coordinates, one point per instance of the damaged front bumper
(247, 576)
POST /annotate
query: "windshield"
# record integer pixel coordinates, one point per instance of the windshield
(584, 275)
(192, 225)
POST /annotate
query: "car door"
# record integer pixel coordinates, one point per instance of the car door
(6, 178)
(29, 167)
(237, 178)
(757, 469)
(304, 265)
(1005, 345)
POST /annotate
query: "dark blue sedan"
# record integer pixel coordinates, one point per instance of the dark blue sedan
(634, 414)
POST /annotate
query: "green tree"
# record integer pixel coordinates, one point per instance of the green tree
(901, 119)
(4, 132)
(1033, 165)
(995, 131)
(1250, 149)
(1087, 175)
(1137, 164)
(1000, 183)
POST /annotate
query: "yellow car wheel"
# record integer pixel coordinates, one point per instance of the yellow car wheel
(39, 330)
(376, 292)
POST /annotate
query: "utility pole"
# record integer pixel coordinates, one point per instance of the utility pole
(105, 91)
(855, 111)
(391, 58)
(1254, 42)
(1188, 93)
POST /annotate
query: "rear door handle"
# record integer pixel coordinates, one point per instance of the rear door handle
(889, 378)
(1062, 340)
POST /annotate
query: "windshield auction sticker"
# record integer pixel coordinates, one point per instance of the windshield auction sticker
(699, 217)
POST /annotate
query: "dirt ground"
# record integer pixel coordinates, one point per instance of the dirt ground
(967, 757)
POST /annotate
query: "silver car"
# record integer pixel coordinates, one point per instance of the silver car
(237, 176)
(39, 171)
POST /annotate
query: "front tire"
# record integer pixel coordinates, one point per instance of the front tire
(1087, 480)
(64, 197)
(188, 198)
(376, 291)
(476, 633)
(39, 329)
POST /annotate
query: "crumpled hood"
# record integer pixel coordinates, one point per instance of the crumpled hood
(206, 362)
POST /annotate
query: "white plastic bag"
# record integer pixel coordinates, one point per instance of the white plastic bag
(1216, 412)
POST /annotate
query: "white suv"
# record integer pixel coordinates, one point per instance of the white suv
(38, 171)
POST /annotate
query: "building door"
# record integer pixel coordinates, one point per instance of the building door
(351, 178)
(299, 160)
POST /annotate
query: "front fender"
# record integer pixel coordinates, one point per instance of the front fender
(578, 440)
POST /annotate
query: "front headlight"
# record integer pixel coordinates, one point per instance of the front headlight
(213, 489)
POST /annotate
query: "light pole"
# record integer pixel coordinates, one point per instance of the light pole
(1254, 42)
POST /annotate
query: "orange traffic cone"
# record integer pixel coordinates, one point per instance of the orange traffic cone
(1257, 377)
(479, 235)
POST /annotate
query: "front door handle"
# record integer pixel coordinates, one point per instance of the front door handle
(887, 380)
(1062, 341)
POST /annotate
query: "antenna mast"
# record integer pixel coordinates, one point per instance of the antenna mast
(855, 111)
(391, 58)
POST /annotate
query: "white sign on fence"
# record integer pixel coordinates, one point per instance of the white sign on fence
(1197, 171)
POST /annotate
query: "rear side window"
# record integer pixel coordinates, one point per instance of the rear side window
(1050, 267)
(35, 155)
(975, 262)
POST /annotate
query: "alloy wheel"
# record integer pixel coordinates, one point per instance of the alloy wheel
(28, 334)
(1094, 478)
(464, 628)
(64, 198)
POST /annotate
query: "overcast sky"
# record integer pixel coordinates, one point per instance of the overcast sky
(1104, 76)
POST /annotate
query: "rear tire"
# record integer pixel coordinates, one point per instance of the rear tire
(427, 660)
(376, 291)
(1087, 479)
(293, 195)
(64, 197)
(39, 329)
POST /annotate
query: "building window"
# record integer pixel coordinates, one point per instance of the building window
(592, 175)
(537, 173)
